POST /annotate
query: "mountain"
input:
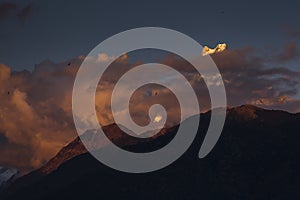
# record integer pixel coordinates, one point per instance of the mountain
(7, 176)
(256, 157)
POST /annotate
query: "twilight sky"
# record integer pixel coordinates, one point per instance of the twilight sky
(50, 39)
(32, 31)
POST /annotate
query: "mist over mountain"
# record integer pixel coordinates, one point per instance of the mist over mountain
(255, 158)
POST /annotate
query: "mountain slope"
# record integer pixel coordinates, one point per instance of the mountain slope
(255, 158)
(7, 176)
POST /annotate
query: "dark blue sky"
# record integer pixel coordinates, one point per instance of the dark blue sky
(58, 30)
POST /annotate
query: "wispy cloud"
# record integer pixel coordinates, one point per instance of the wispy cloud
(25, 11)
(6, 8)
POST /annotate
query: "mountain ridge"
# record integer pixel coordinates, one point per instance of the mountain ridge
(253, 139)
(80, 149)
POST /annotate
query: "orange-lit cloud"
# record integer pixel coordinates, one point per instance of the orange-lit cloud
(36, 107)
(35, 114)
(219, 48)
(157, 118)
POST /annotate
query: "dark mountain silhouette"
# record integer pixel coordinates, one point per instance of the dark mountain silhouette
(256, 157)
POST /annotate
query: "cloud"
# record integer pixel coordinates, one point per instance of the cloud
(25, 12)
(102, 57)
(291, 31)
(6, 8)
(36, 110)
(36, 115)
(5, 73)
(251, 79)
(289, 52)
(157, 118)
(219, 48)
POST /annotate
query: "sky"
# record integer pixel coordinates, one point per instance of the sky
(60, 30)
(43, 43)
